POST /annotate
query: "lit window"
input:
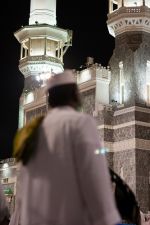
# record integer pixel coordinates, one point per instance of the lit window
(51, 48)
(121, 83)
(5, 165)
(24, 49)
(148, 94)
(37, 46)
(29, 98)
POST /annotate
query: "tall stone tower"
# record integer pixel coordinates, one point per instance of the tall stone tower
(43, 45)
(129, 129)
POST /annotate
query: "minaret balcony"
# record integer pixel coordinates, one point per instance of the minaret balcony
(39, 58)
(124, 19)
(42, 48)
(32, 65)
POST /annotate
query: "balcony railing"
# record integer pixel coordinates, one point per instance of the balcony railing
(93, 73)
(137, 10)
(40, 58)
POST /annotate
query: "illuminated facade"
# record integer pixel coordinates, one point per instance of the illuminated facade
(118, 96)
(129, 22)
(43, 45)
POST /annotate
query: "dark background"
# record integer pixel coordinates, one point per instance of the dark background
(86, 18)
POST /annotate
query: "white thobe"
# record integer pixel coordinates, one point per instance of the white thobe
(67, 182)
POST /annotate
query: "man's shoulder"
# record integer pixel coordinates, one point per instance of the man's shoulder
(80, 115)
(69, 114)
(81, 119)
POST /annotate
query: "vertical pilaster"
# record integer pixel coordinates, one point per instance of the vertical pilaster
(21, 52)
(110, 6)
(45, 46)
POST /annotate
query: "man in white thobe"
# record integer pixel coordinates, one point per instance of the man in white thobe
(67, 181)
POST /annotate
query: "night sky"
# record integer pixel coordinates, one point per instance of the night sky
(86, 18)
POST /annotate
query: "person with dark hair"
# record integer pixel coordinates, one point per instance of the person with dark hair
(66, 179)
(63, 95)
(4, 212)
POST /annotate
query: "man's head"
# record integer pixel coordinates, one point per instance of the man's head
(63, 91)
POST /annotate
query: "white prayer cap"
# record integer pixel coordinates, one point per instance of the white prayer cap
(66, 77)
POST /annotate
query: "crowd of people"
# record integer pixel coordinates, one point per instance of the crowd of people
(64, 178)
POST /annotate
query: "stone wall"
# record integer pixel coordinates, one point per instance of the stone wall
(142, 179)
(124, 164)
(88, 101)
(133, 49)
(120, 54)
(130, 161)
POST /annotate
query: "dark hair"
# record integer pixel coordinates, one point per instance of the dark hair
(64, 95)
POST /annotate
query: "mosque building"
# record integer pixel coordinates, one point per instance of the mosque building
(117, 96)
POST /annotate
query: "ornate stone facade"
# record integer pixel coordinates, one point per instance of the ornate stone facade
(125, 132)
(134, 61)
(118, 97)
(127, 136)
(88, 101)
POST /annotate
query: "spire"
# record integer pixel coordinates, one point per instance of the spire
(43, 12)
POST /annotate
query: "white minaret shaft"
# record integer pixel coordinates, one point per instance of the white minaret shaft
(43, 12)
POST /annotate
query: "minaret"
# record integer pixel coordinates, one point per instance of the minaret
(43, 12)
(43, 46)
(129, 144)
(129, 22)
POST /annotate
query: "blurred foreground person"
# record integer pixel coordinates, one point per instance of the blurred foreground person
(4, 212)
(66, 179)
